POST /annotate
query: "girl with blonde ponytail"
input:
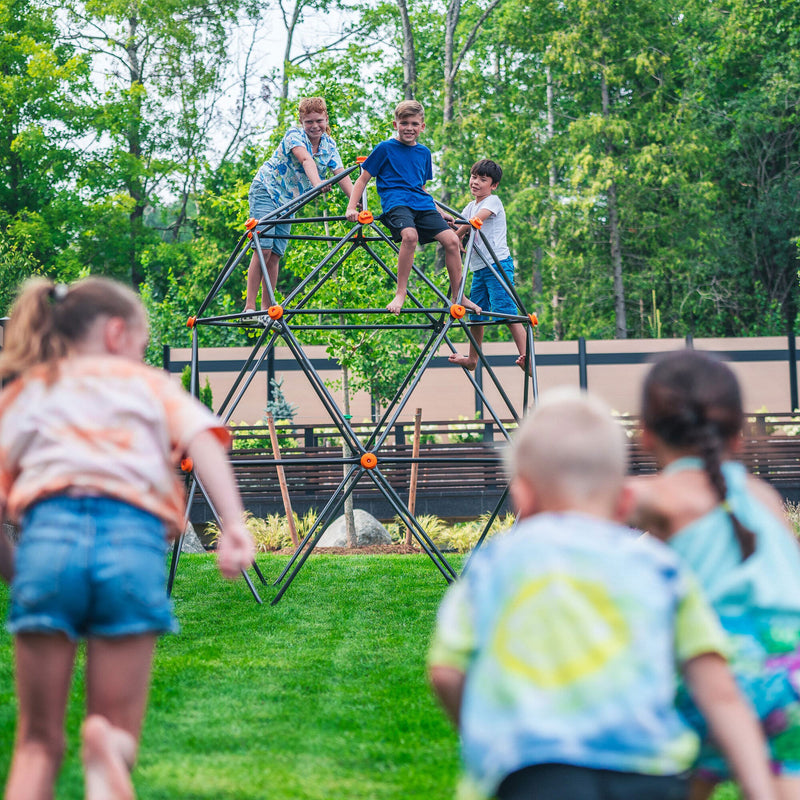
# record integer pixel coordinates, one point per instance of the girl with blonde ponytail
(90, 439)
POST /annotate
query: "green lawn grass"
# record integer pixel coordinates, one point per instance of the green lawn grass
(322, 696)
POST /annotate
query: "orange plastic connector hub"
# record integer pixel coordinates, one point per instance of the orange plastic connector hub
(457, 311)
(191, 322)
(250, 234)
(251, 223)
(360, 159)
(365, 217)
(369, 461)
(476, 222)
(187, 464)
(275, 312)
(534, 319)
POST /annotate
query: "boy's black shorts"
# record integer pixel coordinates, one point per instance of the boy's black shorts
(568, 782)
(429, 223)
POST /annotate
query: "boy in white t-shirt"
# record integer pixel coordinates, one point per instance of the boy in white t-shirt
(487, 291)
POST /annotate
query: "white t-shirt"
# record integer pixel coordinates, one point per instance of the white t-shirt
(494, 229)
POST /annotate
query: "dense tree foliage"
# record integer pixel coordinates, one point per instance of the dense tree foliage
(651, 150)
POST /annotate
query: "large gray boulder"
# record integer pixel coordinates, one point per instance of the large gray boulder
(368, 531)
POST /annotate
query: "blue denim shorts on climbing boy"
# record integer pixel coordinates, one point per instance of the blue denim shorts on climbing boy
(489, 294)
(261, 204)
(90, 566)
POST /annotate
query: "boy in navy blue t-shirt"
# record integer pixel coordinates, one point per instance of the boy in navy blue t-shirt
(401, 167)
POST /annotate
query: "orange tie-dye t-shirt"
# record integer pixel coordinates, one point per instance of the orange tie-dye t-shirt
(104, 426)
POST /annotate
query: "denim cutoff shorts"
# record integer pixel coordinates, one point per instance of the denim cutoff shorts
(488, 293)
(90, 566)
(262, 205)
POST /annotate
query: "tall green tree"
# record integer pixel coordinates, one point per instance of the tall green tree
(44, 86)
(163, 65)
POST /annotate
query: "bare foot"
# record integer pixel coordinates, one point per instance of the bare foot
(248, 310)
(108, 756)
(462, 361)
(522, 364)
(396, 304)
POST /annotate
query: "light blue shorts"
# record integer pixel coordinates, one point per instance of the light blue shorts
(262, 205)
(90, 566)
(489, 294)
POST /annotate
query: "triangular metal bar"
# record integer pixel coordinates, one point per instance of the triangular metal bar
(329, 509)
(307, 552)
(486, 529)
(419, 532)
(399, 393)
(402, 402)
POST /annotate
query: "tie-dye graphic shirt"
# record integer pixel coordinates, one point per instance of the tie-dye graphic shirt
(283, 177)
(570, 631)
(105, 426)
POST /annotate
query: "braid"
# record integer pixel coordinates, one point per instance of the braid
(692, 401)
(710, 447)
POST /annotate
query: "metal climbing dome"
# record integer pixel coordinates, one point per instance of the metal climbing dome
(287, 321)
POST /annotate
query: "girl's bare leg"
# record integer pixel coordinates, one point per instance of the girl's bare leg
(788, 788)
(117, 683)
(43, 665)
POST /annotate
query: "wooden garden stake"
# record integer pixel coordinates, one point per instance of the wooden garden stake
(412, 488)
(287, 502)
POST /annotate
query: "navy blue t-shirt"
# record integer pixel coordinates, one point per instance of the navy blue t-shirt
(400, 172)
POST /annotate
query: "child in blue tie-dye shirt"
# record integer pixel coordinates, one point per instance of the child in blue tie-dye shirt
(557, 653)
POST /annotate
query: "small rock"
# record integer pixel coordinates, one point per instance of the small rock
(191, 541)
(368, 531)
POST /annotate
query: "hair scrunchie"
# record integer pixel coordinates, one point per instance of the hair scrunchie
(58, 292)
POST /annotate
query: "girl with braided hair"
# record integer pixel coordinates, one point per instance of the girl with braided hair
(730, 528)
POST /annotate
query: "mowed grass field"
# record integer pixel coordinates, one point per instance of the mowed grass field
(321, 697)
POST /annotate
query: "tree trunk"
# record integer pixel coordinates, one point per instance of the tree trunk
(448, 112)
(409, 54)
(555, 302)
(290, 25)
(136, 188)
(620, 323)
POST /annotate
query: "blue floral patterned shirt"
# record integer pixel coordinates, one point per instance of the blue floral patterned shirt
(283, 176)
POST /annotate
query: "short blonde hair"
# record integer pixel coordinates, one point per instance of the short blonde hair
(570, 446)
(409, 108)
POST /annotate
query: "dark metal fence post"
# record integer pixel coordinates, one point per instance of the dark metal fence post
(584, 383)
(689, 341)
(270, 372)
(793, 370)
(478, 389)
(165, 357)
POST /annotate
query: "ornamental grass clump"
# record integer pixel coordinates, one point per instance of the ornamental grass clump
(272, 532)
